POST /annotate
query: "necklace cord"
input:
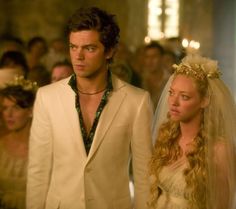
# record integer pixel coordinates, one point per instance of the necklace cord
(87, 93)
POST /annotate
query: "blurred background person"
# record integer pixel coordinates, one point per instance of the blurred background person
(11, 43)
(36, 49)
(153, 75)
(122, 70)
(14, 60)
(174, 45)
(168, 60)
(12, 63)
(40, 75)
(57, 52)
(136, 63)
(122, 62)
(17, 100)
(61, 70)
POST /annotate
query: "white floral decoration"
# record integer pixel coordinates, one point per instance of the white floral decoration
(198, 66)
(26, 85)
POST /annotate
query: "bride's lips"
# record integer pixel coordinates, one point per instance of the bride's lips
(174, 112)
(10, 122)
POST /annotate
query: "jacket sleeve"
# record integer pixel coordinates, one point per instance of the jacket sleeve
(141, 145)
(40, 155)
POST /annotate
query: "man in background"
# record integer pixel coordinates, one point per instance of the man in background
(61, 70)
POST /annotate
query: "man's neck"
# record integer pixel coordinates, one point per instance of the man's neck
(92, 85)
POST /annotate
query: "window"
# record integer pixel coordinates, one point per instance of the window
(163, 19)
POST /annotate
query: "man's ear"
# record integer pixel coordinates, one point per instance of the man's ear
(110, 53)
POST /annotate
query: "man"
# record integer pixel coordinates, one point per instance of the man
(154, 76)
(86, 127)
(61, 70)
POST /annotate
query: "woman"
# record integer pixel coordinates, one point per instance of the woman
(17, 100)
(193, 164)
(12, 63)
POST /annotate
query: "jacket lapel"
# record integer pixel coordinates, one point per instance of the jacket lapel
(71, 116)
(108, 114)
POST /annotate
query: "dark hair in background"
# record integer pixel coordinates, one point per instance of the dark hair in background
(35, 40)
(62, 63)
(23, 98)
(93, 18)
(9, 38)
(155, 45)
(40, 74)
(10, 58)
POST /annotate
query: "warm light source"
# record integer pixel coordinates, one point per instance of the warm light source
(147, 39)
(163, 19)
(185, 43)
(191, 46)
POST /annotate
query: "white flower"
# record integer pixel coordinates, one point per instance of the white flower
(26, 85)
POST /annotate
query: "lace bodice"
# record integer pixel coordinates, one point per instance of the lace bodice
(173, 186)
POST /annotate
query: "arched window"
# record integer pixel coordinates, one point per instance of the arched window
(163, 19)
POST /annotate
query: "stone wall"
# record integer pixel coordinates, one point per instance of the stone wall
(196, 18)
(30, 18)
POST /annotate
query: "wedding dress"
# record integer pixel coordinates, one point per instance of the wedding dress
(173, 186)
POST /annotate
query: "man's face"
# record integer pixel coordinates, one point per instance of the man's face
(87, 53)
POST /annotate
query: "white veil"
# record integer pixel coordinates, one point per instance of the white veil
(220, 126)
(161, 110)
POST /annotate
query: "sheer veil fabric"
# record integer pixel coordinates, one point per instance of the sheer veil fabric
(220, 129)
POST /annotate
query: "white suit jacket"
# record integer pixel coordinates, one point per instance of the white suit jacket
(61, 175)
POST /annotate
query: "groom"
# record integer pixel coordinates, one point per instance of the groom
(87, 127)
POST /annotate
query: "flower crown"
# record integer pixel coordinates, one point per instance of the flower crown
(26, 85)
(198, 67)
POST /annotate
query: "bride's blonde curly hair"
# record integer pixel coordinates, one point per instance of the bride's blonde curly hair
(167, 150)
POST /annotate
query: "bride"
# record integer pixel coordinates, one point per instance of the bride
(193, 163)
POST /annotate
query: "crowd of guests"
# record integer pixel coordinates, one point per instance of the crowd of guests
(193, 129)
(148, 67)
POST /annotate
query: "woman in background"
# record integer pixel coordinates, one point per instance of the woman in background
(193, 164)
(12, 63)
(17, 100)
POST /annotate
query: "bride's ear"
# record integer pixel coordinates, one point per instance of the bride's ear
(205, 101)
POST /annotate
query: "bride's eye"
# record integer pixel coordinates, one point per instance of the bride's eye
(185, 97)
(171, 93)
